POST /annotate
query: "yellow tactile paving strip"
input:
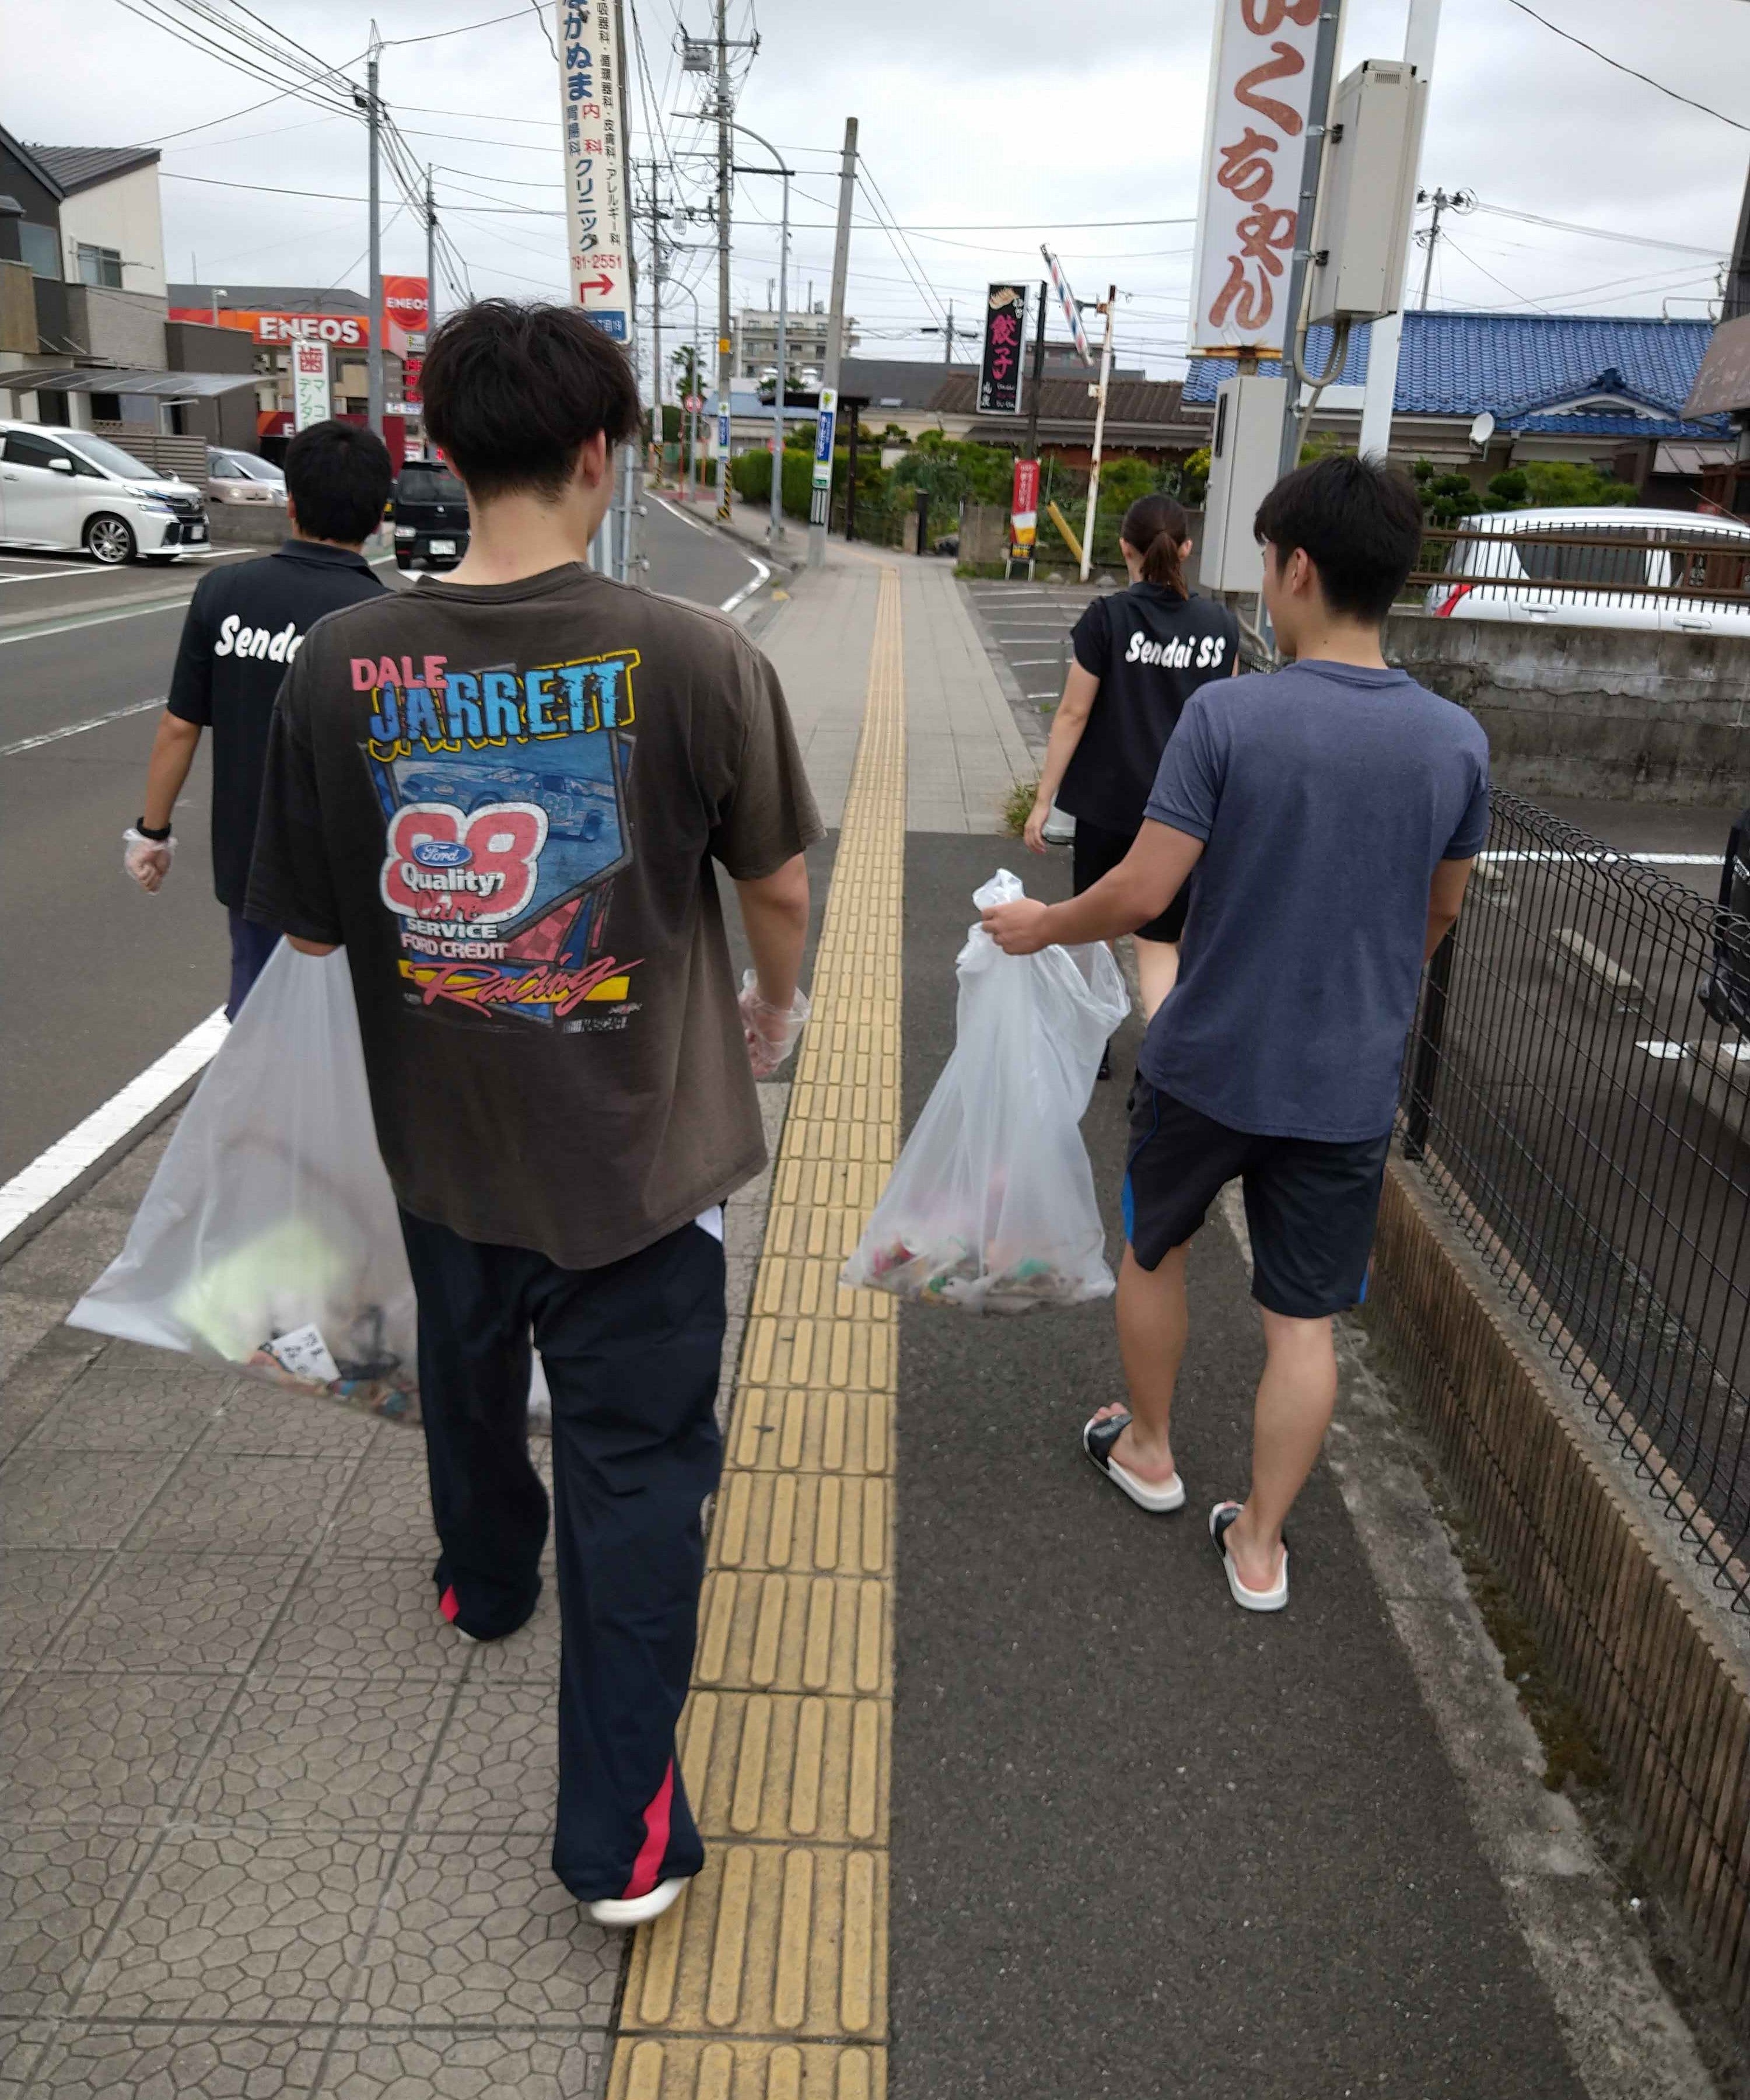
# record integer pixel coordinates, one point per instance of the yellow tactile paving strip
(768, 1981)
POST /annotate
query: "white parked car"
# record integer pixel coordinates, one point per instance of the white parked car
(234, 477)
(1522, 565)
(67, 488)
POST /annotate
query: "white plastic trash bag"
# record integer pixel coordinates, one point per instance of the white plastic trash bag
(990, 1206)
(269, 1238)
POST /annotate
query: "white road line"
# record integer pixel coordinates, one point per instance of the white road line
(1030, 663)
(1615, 853)
(34, 1187)
(74, 622)
(78, 729)
(761, 571)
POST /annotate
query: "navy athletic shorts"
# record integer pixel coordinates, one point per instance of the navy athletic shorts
(1096, 852)
(1310, 1206)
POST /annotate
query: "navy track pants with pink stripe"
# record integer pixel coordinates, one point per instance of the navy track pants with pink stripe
(631, 1353)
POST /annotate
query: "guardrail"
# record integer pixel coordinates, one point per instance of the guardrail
(1594, 563)
(1576, 1094)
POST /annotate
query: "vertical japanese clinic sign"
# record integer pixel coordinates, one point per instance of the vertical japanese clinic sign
(1024, 511)
(826, 422)
(1000, 367)
(590, 89)
(310, 384)
(1260, 85)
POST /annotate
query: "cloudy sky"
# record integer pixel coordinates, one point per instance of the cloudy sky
(977, 120)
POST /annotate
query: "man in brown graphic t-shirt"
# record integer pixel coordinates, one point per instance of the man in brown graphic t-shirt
(501, 792)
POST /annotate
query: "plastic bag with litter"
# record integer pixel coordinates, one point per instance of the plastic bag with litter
(990, 1206)
(269, 1238)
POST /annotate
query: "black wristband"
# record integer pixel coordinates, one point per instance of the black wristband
(146, 831)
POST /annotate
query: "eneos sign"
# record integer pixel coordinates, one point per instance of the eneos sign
(340, 331)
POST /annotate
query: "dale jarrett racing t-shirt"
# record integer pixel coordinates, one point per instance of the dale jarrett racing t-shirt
(504, 800)
(1150, 649)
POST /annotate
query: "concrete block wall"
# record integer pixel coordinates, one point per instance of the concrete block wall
(1593, 712)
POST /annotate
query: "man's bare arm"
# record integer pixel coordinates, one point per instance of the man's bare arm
(314, 947)
(1446, 893)
(1142, 885)
(172, 752)
(774, 911)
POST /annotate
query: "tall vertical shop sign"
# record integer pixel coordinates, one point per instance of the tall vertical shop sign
(310, 384)
(1260, 87)
(591, 88)
(999, 365)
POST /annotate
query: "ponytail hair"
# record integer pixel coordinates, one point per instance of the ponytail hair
(1157, 528)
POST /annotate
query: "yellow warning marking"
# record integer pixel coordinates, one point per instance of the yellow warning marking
(768, 1980)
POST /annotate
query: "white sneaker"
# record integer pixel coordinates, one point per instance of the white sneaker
(637, 1910)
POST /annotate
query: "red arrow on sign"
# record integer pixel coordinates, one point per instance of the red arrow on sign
(595, 285)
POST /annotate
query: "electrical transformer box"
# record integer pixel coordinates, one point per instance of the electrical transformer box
(1361, 228)
(1243, 444)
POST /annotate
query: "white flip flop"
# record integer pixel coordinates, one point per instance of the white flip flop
(1221, 1517)
(1098, 1438)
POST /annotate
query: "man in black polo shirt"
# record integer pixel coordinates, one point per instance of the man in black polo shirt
(245, 625)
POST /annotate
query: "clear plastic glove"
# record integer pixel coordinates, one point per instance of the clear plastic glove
(771, 1032)
(147, 860)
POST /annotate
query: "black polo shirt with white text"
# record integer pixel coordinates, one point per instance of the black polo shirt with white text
(244, 627)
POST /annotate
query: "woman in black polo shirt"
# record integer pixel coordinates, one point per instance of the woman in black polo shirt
(1139, 655)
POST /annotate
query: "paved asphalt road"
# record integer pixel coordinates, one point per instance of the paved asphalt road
(1030, 624)
(101, 979)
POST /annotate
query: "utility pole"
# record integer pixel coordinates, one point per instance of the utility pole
(656, 315)
(724, 358)
(374, 355)
(1312, 162)
(1386, 334)
(1442, 201)
(431, 257)
(1100, 431)
(946, 333)
(820, 503)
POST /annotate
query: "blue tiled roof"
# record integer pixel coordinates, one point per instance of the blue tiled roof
(1518, 365)
(1632, 429)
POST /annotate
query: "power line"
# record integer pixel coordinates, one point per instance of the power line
(540, 16)
(1598, 232)
(1634, 72)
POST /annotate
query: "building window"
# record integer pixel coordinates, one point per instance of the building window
(99, 266)
(40, 247)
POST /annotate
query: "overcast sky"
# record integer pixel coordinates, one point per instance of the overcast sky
(975, 116)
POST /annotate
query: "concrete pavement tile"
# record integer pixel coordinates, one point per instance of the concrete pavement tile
(205, 1613)
(124, 1187)
(268, 1420)
(475, 1928)
(497, 1766)
(364, 1618)
(77, 1498)
(62, 1889)
(24, 1320)
(162, 2060)
(132, 1399)
(434, 2063)
(40, 1379)
(299, 1752)
(21, 2043)
(38, 1591)
(386, 1508)
(104, 1748)
(229, 1502)
(233, 1925)
(67, 1256)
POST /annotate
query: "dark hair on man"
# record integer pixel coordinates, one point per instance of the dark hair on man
(513, 390)
(338, 476)
(1157, 528)
(1360, 523)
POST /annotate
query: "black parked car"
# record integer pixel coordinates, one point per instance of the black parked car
(429, 516)
(1725, 990)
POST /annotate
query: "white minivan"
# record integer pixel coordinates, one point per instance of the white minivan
(67, 488)
(1522, 565)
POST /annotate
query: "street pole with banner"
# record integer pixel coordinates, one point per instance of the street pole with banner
(597, 222)
(311, 395)
(820, 493)
(1100, 429)
(1066, 299)
(1002, 357)
(1024, 513)
(1312, 162)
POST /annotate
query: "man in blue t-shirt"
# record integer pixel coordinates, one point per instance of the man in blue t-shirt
(1331, 811)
